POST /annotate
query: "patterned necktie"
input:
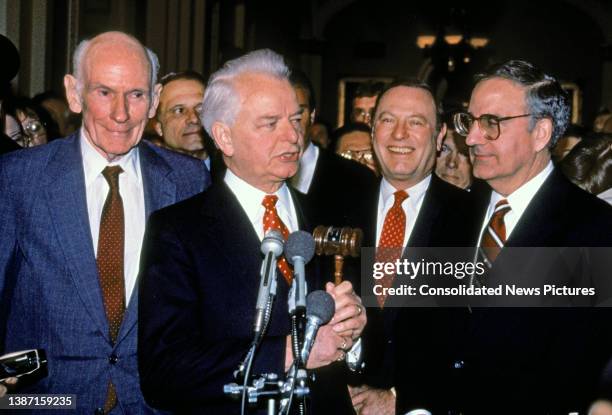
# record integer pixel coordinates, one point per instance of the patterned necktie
(494, 235)
(391, 243)
(271, 220)
(110, 263)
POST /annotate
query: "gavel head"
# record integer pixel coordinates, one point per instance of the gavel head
(330, 240)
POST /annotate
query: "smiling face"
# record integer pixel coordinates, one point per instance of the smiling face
(265, 142)
(518, 154)
(115, 97)
(178, 122)
(404, 136)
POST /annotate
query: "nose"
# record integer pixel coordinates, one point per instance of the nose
(193, 117)
(475, 136)
(120, 111)
(293, 132)
(451, 161)
(399, 130)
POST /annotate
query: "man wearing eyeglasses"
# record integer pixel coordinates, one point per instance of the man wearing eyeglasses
(531, 360)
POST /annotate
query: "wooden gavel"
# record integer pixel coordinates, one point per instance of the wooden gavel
(339, 242)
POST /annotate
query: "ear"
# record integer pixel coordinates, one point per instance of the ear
(158, 128)
(154, 100)
(542, 133)
(440, 138)
(222, 135)
(313, 116)
(72, 94)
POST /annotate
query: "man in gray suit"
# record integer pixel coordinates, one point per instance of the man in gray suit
(72, 217)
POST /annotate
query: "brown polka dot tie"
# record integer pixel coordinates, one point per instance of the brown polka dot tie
(391, 243)
(271, 220)
(494, 236)
(110, 263)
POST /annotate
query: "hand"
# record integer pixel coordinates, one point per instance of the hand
(328, 347)
(349, 318)
(372, 401)
(3, 389)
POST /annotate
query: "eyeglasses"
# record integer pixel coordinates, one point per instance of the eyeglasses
(488, 124)
(358, 155)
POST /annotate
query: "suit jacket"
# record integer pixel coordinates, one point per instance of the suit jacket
(49, 283)
(200, 278)
(443, 221)
(524, 360)
(337, 188)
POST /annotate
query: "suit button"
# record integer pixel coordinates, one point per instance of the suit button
(113, 359)
(458, 364)
(99, 411)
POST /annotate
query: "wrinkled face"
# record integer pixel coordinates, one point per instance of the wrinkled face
(363, 110)
(452, 165)
(357, 146)
(404, 135)
(265, 142)
(510, 160)
(178, 123)
(307, 112)
(115, 99)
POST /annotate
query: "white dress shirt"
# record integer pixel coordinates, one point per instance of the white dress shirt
(518, 201)
(303, 178)
(412, 205)
(250, 199)
(132, 195)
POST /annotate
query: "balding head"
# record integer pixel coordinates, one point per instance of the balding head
(118, 43)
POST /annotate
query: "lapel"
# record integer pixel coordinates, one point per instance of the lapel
(65, 192)
(427, 217)
(159, 191)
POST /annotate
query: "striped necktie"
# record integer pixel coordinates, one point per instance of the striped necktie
(494, 235)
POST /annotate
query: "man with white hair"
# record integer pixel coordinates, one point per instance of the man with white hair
(71, 228)
(201, 258)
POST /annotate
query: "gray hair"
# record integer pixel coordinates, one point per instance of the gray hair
(221, 100)
(81, 51)
(544, 96)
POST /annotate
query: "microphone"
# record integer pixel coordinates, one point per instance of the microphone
(272, 248)
(299, 250)
(320, 306)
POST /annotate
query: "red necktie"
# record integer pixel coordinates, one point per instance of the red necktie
(110, 263)
(494, 235)
(391, 243)
(271, 220)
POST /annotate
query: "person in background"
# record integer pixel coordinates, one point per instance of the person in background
(453, 161)
(364, 101)
(574, 134)
(353, 142)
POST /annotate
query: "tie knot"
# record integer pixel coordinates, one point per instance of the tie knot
(111, 174)
(400, 196)
(502, 207)
(269, 202)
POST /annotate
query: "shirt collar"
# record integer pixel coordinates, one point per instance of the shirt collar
(520, 198)
(415, 193)
(250, 197)
(94, 162)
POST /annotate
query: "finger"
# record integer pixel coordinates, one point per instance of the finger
(11, 381)
(2, 390)
(353, 323)
(349, 309)
(360, 398)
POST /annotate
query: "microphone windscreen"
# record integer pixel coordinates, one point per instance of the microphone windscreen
(321, 305)
(299, 244)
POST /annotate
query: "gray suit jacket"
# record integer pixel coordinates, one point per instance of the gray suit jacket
(50, 296)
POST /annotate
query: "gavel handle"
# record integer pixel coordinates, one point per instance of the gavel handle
(338, 265)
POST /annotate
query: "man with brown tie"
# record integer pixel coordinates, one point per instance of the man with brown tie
(202, 257)
(71, 229)
(527, 360)
(412, 208)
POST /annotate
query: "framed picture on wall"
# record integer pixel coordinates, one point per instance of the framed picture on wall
(346, 92)
(575, 95)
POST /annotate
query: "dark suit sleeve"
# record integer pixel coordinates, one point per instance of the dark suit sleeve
(178, 367)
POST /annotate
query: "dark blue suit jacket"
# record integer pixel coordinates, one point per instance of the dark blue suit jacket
(49, 285)
(200, 277)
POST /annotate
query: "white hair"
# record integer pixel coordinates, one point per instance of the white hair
(81, 51)
(221, 100)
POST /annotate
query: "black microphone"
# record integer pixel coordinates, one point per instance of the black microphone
(272, 248)
(320, 308)
(299, 250)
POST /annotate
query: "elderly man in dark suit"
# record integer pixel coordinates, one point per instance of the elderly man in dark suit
(201, 263)
(525, 360)
(72, 219)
